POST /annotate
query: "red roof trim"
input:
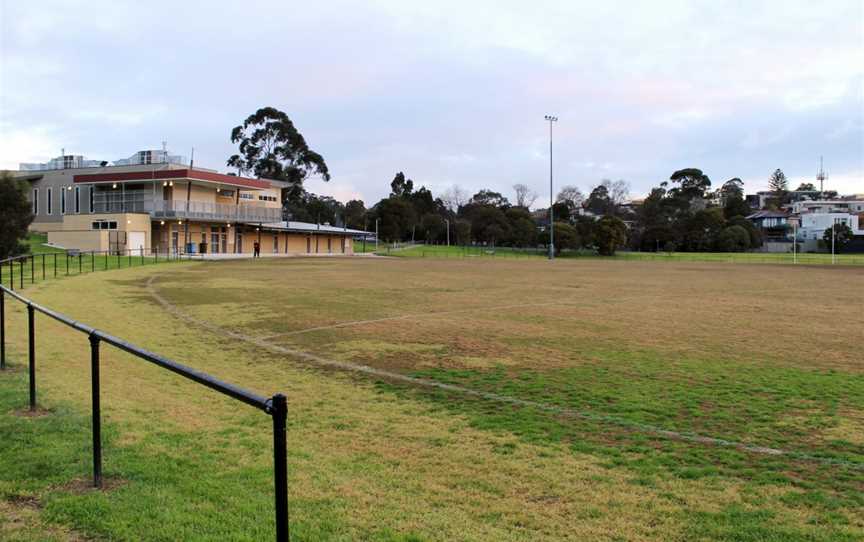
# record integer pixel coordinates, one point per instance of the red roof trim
(194, 174)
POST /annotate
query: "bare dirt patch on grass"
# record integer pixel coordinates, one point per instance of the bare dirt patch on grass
(38, 412)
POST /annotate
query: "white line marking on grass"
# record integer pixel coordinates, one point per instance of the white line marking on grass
(411, 317)
(589, 416)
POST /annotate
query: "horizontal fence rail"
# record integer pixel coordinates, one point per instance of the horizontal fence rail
(276, 406)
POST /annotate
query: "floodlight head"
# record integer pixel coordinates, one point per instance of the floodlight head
(550, 118)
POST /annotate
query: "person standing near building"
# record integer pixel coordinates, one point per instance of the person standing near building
(256, 250)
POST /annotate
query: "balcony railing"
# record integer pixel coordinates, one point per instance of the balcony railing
(143, 202)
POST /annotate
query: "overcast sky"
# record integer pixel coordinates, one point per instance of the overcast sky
(450, 92)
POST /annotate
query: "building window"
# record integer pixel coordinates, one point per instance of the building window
(90, 190)
(77, 199)
(48, 203)
(62, 200)
(266, 198)
(103, 225)
(35, 201)
(243, 195)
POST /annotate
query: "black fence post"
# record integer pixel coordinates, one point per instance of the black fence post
(80, 269)
(55, 264)
(97, 416)
(32, 269)
(43, 266)
(92, 261)
(279, 405)
(12, 275)
(21, 272)
(67, 264)
(31, 325)
(106, 260)
(2, 328)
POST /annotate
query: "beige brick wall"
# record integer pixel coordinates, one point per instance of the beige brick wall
(80, 240)
(76, 231)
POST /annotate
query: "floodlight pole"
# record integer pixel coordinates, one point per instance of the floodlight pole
(551, 119)
(448, 231)
(833, 234)
(376, 234)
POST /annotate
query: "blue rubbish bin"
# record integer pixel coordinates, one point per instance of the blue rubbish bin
(191, 248)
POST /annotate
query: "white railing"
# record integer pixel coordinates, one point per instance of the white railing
(216, 211)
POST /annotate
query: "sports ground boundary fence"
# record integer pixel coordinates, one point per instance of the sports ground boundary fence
(276, 406)
(29, 268)
(475, 251)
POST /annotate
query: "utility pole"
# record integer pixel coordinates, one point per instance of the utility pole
(376, 234)
(833, 234)
(551, 119)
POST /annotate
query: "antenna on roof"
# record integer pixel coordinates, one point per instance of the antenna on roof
(192, 159)
(820, 176)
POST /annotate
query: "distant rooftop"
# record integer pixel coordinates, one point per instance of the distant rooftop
(77, 161)
(310, 227)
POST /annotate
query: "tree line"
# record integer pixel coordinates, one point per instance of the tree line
(679, 214)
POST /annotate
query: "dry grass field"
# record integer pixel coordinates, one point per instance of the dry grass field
(452, 400)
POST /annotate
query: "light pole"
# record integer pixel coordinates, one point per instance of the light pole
(551, 119)
(447, 221)
(376, 234)
(833, 235)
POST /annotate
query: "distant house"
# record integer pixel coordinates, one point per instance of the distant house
(818, 216)
(774, 226)
(761, 199)
(770, 220)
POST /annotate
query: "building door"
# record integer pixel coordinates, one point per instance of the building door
(175, 240)
(308, 244)
(329, 245)
(135, 242)
(239, 242)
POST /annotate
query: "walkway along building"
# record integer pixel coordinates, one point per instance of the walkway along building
(171, 207)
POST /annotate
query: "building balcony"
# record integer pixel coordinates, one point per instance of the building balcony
(141, 202)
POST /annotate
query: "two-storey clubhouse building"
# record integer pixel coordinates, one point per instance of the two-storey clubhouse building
(154, 202)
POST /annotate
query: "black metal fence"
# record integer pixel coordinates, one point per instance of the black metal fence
(276, 406)
(29, 268)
